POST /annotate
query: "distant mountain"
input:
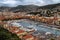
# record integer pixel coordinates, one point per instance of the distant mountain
(3, 8)
(30, 8)
(50, 6)
(24, 8)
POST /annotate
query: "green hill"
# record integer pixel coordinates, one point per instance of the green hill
(6, 35)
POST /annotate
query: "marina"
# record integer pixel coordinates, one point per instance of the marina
(39, 27)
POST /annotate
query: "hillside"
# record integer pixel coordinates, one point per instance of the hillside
(30, 8)
(6, 35)
(47, 10)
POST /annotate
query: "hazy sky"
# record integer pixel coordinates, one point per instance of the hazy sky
(27, 2)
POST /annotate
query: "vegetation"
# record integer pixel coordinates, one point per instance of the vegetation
(6, 35)
(47, 14)
(52, 39)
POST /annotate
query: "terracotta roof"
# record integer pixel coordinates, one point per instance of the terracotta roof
(35, 38)
(27, 36)
(13, 30)
(13, 26)
(20, 31)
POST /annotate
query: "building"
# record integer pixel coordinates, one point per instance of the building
(28, 37)
(13, 28)
(14, 31)
(21, 33)
(57, 22)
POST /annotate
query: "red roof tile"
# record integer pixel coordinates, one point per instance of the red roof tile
(20, 31)
(27, 36)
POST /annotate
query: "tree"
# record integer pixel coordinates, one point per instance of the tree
(52, 39)
(6, 35)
